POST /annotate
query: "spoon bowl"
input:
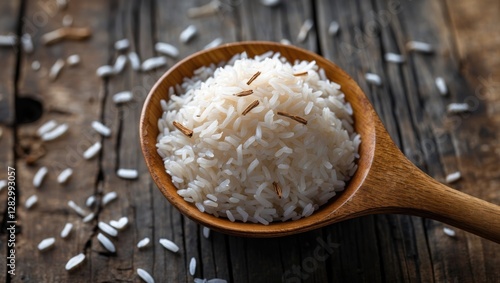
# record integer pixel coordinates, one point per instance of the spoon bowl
(385, 182)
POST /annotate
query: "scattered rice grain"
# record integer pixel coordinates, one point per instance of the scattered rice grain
(449, 232)
(169, 245)
(66, 230)
(127, 173)
(46, 244)
(77, 208)
(106, 243)
(373, 79)
(143, 243)
(214, 43)
(167, 49)
(120, 224)
(304, 30)
(105, 71)
(8, 40)
(35, 65)
(205, 10)
(122, 44)
(67, 21)
(454, 108)
(55, 70)
(135, 62)
(73, 60)
(153, 63)
(75, 261)
(453, 177)
(122, 97)
(39, 176)
(270, 3)
(145, 276)
(441, 86)
(90, 201)
(187, 34)
(46, 127)
(32, 200)
(192, 266)
(206, 232)
(64, 175)
(394, 58)
(92, 150)
(419, 46)
(55, 133)
(27, 43)
(89, 217)
(333, 28)
(106, 228)
(101, 129)
(120, 63)
(107, 198)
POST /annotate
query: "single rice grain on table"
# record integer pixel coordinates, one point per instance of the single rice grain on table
(75, 261)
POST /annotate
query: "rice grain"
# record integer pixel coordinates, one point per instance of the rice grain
(441, 86)
(394, 58)
(122, 44)
(167, 49)
(145, 276)
(32, 200)
(106, 243)
(333, 28)
(64, 175)
(92, 150)
(107, 229)
(419, 46)
(55, 70)
(304, 30)
(46, 127)
(206, 232)
(122, 97)
(453, 177)
(127, 173)
(153, 63)
(373, 79)
(90, 201)
(107, 198)
(101, 129)
(135, 62)
(120, 224)
(214, 43)
(75, 261)
(169, 245)
(55, 133)
(187, 34)
(449, 232)
(455, 108)
(89, 217)
(39, 176)
(27, 43)
(66, 230)
(143, 243)
(105, 71)
(192, 266)
(77, 208)
(45, 244)
(73, 60)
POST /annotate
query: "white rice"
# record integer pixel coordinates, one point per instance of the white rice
(188, 33)
(455, 108)
(89, 217)
(67, 21)
(105, 71)
(373, 79)
(101, 129)
(214, 43)
(304, 30)
(39, 176)
(56, 69)
(120, 63)
(106, 243)
(449, 232)
(394, 58)
(107, 198)
(120, 224)
(122, 44)
(77, 208)
(55, 133)
(333, 28)
(167, 49)
(228, 166)
(122, 97)
(3, 184)
(127, 173)
(419, 46)
(46, 243)
(135, 62)
(441, 86)
(92, 150)
(143, 243)
(107, 229)
(90, 201)
(192, 266)
(75, 261)
(32, 200)
(153, 63)
(27, 43)
(145, 275)
(64, 175)
(46, 127)
(270, 3)
(73, 60)
(169, 245)
(453, 177)
(206, 232)
(66, 230)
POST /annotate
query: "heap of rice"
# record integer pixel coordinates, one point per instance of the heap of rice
(279, 159)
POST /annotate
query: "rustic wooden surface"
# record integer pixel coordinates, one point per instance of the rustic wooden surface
(383, 248)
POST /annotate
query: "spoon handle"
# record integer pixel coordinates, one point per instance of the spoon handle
(405, 189)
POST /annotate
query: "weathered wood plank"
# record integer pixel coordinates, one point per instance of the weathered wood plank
(74, 99)
(8, 55)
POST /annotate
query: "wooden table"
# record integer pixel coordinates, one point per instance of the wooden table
(382, 248)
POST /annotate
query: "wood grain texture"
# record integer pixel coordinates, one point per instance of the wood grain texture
(382, 248)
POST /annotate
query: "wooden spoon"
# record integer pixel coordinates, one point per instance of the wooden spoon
(385, 182)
